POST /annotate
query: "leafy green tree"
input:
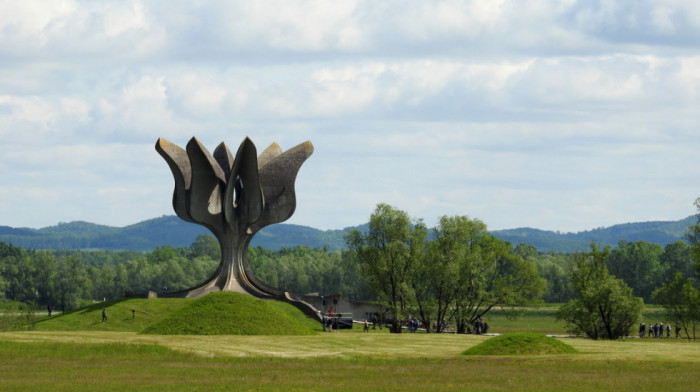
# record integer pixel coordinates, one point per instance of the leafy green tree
(605, 307)
(491, 275)
(693, 236)
(682, 301)
(388, 255)
(637, 264)
(435, 283)
(554, 268)
(44, 275)
(676, 258)
(205, 245)
(72, 282)
(453, 254)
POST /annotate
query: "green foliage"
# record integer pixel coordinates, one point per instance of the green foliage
(389, 255)
(228, 313)
(520, 343)
(555, 270)
(682, 301)
(638, 265)
(693, 236)
(605, 307)
(486, 272)
(304, 270)
(459, 276)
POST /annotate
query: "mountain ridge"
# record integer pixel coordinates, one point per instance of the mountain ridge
(169, 230)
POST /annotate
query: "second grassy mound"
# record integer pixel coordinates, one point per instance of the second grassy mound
(520, 343)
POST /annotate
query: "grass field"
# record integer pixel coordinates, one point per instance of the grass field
(88, 355)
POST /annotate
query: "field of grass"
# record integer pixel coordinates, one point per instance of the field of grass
(77, 352)
(111, 361)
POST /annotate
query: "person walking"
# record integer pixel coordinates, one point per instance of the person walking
(104, 315)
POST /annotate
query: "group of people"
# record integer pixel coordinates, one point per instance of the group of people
(480, 327)
(330, 323)
(412, 324)
(657, 330)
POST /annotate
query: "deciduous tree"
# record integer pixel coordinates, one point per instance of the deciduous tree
(682, 300)
(605, 307)
(388, 255)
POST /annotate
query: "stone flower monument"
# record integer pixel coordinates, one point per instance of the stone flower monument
(234, 197)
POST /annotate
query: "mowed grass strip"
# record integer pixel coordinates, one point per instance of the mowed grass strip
(55, 366)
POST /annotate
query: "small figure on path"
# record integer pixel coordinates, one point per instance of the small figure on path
(366, 326)
(50, 309)
(668, 330)
(678, 330)
(104, 315)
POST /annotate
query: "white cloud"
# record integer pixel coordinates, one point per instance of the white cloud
(554, 114)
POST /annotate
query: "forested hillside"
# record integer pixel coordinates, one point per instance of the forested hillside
(661, 233)
(172, 231)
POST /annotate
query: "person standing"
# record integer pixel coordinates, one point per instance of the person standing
(668, 330)
(678, 330)
(104, 315)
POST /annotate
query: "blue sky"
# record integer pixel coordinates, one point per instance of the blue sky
(560, 115)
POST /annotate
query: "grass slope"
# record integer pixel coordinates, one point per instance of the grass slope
(119, 315)
(520, 343)
(228, 313)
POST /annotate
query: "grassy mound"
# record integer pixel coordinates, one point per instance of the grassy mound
(228, 313)
(520, 343)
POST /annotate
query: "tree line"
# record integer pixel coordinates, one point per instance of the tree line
(67, 279)
(456, 272)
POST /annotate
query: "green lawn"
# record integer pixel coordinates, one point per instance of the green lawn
(111, 361)
(77, 352)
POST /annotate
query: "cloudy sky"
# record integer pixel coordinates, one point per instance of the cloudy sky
(555, 114)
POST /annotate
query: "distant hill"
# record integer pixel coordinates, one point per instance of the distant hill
(171, 230)
(659, 232)
(152, 233)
